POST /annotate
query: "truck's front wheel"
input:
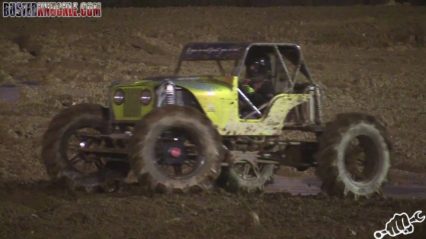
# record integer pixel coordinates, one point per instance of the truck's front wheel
(176, 148)
(68, 143)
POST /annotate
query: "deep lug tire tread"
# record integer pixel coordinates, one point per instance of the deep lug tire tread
(82, 114)
(172, 115)
(335, 182)
(232, 182)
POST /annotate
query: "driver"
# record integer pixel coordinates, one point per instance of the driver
(258, 85)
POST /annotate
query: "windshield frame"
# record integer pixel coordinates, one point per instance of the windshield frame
(218, 52)
(219, 65)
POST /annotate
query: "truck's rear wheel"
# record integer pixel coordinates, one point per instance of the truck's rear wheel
(176, 149)
(246, 174)
(67, 143)
(354, 156)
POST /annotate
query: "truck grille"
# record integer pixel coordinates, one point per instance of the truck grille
(131, 106)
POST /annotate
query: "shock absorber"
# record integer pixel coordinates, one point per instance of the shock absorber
(170, 93)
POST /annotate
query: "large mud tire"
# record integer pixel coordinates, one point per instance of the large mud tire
(55, 144)
(334, 156)
(143, 152)
(234, 180)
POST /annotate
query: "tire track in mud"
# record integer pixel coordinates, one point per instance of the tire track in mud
(404, 185)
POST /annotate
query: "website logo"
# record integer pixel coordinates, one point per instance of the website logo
(400, 224)
(51, 9)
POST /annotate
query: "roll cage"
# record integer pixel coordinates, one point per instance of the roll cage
(288, 60)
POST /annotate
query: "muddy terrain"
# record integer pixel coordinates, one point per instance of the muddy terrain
(369, 59)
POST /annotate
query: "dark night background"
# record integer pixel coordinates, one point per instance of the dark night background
(250, 3)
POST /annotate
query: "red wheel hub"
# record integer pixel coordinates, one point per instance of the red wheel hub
(175, 152)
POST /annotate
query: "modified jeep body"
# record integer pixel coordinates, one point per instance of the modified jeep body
(191, 131)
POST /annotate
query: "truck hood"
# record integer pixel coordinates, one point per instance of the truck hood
(193, 82)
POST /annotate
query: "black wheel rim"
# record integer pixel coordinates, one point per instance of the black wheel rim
(178, 153)
(247, 171)
(76, 149)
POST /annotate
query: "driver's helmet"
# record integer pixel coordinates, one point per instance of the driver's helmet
(259, 67)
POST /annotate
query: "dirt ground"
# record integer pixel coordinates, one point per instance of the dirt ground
(42, 211)
(370, 59)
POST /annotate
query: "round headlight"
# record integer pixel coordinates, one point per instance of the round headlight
(118, 97)
(146, 97)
